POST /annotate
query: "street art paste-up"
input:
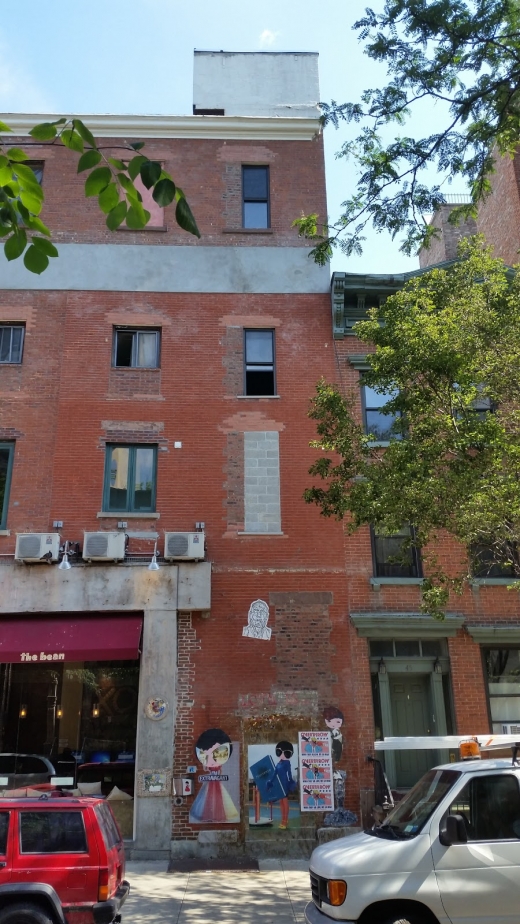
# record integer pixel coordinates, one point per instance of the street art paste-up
(257, 618)
(333, 718)
(274, 783)
(316, 787)
(218, 798)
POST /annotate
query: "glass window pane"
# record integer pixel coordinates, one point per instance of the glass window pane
(375, 399)
(382, 649)
(505, 709)
(52, 832)
(5, 344)
(255, 182)
(391, 560)
(143, 478)
(124, 342)
(4, 827)
(503, 665)
(432, 649)
(406, 649)
(119, 461)
(255, 215)
(146, 349)
(16, 345)
(259, 346)
(380, 425)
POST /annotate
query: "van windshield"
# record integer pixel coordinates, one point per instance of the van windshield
(411, 814)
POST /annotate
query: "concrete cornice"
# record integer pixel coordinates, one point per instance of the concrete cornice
(140, 127)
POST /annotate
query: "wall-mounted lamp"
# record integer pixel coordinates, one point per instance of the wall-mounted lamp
(95, 711)
(437, 666)
(65, 564)
(23, 711)
(382, 667)
(59, 712)
(153, 566)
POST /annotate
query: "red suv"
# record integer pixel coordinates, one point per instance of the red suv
(61, 862)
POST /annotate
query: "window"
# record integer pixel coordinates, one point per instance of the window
(377, 422)
(130, 478)
(502, 668)
(136, 348)
(11, 343)
(489, 562)
(394, 556)
(490, 808)
(6, 464)
(255, 197)
(4, 828)
(259, 362)
(399, 648)
(52, 832)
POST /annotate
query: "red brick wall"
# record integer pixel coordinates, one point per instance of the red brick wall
(499, 215)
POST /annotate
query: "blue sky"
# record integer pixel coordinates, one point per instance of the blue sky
(137, 57)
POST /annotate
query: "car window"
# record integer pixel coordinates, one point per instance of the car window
(4, 828)
(490, 808)
(109, 829)
(52, 832)
(29, 763)
(7, 763)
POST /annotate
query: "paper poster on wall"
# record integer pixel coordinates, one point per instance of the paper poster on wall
(315, 758)
(218, 798)
(273, 785)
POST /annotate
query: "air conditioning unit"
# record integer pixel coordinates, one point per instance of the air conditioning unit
(184, 546)
(104, 546)
(511, 729)
(37, 547)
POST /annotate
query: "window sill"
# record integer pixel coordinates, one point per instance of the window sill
(5, 532)
(247, 231)
(256, 397)
(124, 515)
(139, 368)
(494, 582)
(146, 228)
(261, 535)
(378, 581)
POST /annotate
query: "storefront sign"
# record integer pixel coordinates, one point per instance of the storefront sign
(43, 656)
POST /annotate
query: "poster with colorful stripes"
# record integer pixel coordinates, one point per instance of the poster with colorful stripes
(315, 762)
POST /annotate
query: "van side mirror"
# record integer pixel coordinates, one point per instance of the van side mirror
(453, 831)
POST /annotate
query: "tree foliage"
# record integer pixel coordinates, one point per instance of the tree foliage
(110, 179)
(461, 54)
(447, 351)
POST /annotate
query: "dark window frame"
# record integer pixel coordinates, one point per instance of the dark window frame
(135, 331)
(4, 500)
(252, 367)
(51, 814)
(262, 199)
(382, 566)
(366, 409)
(130, 504)
(12, 327)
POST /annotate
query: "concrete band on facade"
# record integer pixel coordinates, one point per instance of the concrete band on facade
(177, 268)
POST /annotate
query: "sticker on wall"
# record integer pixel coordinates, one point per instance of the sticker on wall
(156, 708)
(218, 799)
(273, 785)
(257, 618)
(154, 782)
(333, 718)
(315, 755)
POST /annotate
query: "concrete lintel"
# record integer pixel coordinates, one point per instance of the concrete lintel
(405, 625)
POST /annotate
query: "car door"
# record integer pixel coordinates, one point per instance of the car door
(5, 846)
(479, 881)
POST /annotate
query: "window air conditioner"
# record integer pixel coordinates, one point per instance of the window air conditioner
(511, 729)
(104, 546)
(37, 547)
(184, 546)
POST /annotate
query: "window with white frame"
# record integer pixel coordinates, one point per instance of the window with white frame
(138, 348)
(11, 343)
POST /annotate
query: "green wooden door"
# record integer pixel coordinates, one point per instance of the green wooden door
(410, 698)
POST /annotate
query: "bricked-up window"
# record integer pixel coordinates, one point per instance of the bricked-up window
(138, 349)
(378, 423)
(130, 478)
(11, 343)
(502, 668)
(394, 556)
(255, 197)
(6, 465)
(259, 362)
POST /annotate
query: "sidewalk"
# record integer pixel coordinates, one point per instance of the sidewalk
(279, 891)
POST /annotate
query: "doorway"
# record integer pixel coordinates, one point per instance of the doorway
(411, 715)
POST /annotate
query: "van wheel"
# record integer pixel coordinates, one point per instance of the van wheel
(24, 914)
(412, 920)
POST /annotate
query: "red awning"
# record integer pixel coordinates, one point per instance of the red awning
(81, 638)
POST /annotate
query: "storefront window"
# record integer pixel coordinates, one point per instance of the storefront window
(503, 680)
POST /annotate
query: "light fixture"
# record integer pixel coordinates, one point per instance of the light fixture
(59, 712)
(65, 564)
(382, 667)
(437, 666)
(95, 711)
(153, 566)
(23, 711)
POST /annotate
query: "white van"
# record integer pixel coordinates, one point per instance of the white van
(448, 852)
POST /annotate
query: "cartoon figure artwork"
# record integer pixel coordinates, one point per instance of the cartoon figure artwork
(257, 618)
(316, 791)
(274, 784)
(333, 718)
(219, 795)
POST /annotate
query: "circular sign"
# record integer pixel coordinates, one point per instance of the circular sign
(156, 708)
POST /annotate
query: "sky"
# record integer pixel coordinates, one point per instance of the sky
(136, 57)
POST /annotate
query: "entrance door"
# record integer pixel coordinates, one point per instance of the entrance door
(410, 698)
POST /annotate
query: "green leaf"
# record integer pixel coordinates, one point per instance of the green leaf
(45, 131)
(108, 198)
(117, 215)
(84, 132)
(36, 224)
(137, 217)
(5, 229)
(17, 155)
(137, 145)
(6, 175)
(5, 128)
(118, 164)
(72, 140)
(35, 260)
(28, 178)
(31, 202)
(46, 247)
(88, 160)
(164, 192)
(97, 181)
(184, 217)
(15, 245)
(126, 182)
(135, 165)
(3, 161)
(150, 173)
